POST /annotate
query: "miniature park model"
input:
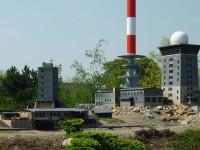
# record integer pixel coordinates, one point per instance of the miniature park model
(179, 84)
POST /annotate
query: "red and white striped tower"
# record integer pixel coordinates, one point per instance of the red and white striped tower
(131, 27)
(131, 77)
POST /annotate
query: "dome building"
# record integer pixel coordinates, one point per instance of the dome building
(180, 70)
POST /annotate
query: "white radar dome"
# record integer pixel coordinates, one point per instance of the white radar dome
(178, 38)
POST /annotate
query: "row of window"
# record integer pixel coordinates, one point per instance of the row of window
(153, 100)
(171, 59)
(54, 114)
(131, 93)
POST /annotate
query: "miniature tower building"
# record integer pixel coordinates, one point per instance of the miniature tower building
(180, 70)
(47, 86)
(131, 77)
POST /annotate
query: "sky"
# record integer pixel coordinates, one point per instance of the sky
(34, 31)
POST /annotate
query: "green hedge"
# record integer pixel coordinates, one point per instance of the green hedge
(187, 140)
(103, 141)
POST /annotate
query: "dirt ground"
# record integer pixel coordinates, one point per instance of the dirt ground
(51, 140)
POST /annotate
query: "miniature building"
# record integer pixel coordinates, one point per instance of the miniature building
(180, 70)
(47, 86)
(48, 118)
(130, 97)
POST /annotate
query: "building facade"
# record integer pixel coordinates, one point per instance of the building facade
(47, 86)
(180, 73)
(129, 97)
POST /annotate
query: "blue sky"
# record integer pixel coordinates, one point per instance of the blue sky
(33, 31)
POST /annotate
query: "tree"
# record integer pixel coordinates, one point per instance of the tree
(165, 41)
(150, 73)
(89, 80)
(21, 86)
(112, 71)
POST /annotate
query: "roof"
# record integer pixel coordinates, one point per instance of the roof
(55, 110)
(103, 111)
(9, 112)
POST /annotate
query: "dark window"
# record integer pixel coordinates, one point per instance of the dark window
(170, 71)
(170, 83)
(42, 83)
(170, 77)
(42, 70)
(177, 91)
(164, 77)
(178, 67)
(171, 59)
(147, 99)
(178, 61)
(170, 89)
(153, 99)
(159, 99)
(42, 77)
(164, 83)
(177, 73)
(170, 95)
(170, 65)
(164, 66)
(177, 79)
(177, 97)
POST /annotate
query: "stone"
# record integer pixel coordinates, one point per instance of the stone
(136, 110)
(150, 116)
(66, 142)
(184, 122)
(159, 108)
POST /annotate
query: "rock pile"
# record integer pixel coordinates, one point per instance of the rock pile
(176, 113)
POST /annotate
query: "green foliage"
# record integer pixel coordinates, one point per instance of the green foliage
(150, 73)
(112, 71)
(165, 41)
(187, 140)
(108, 141)
(147, 135)
(84, 143)
(71, 126)
(18, 89)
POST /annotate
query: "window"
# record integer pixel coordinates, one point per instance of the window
(170, 95)
(170, 89)
(171, 59)
(153, 99)
(170, 71)
(177, 73)
(42, 83)
(147, 99)
(164, 83)
(164, 66)
(178, 61)
(177, 97)
(177, 79)
(42, 70)
(170, 77)
(170, 83)
(170, 65)
(164, 77)
(178, 67)
(164, 60)
(42, 77)
(159, 99)
(177, 91)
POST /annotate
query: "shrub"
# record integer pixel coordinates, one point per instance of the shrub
(71, 126)
(147, 135)
(109, 141)
(84, 143)
(187, 140)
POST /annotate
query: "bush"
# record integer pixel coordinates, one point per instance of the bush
(84, 143)
(109, 141)
(71, 126)
(187, 140)
(147, 135)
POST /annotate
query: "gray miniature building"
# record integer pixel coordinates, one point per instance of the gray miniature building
(130, 97)
(180, 70)
(47, 86)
